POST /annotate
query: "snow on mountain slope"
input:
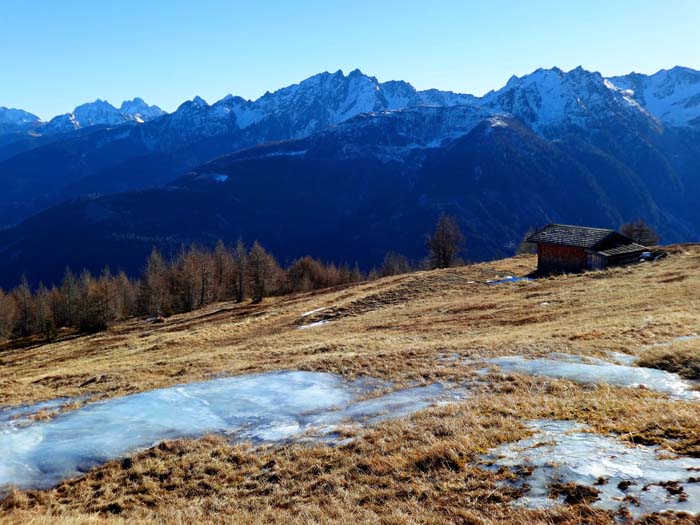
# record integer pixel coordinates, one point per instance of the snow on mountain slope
(436, 97)
(139, 111)
(330, 98)
(102, 113)
(322, 100)
(672, 96)
(546, 99)
(14, 120)
(550, 100)
(95, 113)
(296, 111)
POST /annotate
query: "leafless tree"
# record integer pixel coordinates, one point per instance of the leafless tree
(640, 232)
(394, 264)
(240, 271)
(263, 271)
(7, 315)
(446, 244)
(153, 293)
(526, 247)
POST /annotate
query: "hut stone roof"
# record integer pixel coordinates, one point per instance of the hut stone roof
(567, 235)
(624, 249)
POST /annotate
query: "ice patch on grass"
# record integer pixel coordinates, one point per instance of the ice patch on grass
(622, 359)
(681, 339)
(313, 325)
(273, 408)
(640, 479)
(509, 279)
(598, 371)
(24, 414)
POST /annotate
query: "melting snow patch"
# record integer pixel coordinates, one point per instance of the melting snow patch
(509, 279)
(681, 339)
(598, 371)
(312, 325)
(640, 479)
(273, 407)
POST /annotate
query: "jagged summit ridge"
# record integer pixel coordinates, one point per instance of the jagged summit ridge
(102, 113)
(545, 99)
(671, 95)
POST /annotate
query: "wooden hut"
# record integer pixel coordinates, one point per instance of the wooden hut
(562, 248)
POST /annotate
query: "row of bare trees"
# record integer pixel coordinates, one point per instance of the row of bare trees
(193, 279)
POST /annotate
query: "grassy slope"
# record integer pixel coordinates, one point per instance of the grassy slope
(396, 328)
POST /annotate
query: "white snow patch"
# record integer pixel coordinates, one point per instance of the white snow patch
(497, 122)
(562, 452)
(313, 325)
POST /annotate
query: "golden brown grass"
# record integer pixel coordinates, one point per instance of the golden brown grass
(683, 358)
(407, 328)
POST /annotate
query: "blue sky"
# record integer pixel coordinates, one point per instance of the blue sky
(59, 53)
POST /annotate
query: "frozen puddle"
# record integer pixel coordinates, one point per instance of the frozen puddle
(598, 371)
(273, 408)
(641, 479)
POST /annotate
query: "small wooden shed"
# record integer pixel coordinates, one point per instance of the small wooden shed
(562, 248)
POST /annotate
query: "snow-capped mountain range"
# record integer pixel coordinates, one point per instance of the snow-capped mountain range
(672, 96)
(544, 98)
(139, 146)
(97, 113)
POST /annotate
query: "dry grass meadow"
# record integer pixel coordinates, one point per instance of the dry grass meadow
(422, 469)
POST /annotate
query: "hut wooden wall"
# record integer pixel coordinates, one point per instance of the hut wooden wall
(557, 259)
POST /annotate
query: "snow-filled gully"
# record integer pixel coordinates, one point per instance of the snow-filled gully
(274, 407)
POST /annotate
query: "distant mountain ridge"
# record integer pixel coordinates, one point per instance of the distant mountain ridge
(97, 113)
(672, 96)
(124, 156)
